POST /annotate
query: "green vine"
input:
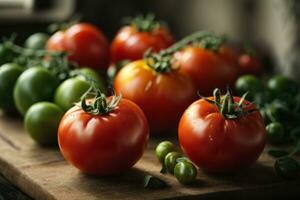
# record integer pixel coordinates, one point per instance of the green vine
(56, 62)
(162, 62)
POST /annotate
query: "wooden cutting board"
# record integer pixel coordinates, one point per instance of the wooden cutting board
(43, 174)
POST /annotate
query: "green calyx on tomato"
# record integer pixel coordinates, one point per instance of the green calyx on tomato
(163, 62)
(142, 23)
(71, 90)
(99, 103)
(227, 106)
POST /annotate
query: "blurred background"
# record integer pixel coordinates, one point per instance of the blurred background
(271, 25)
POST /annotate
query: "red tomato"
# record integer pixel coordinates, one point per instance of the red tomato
(129, 43)
(250, 64)
(218, 144)
(104, 144)
(85, 44)
(208, 69)
(162, 96)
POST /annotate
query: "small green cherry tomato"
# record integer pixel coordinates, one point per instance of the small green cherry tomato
(37, 41)
(88, 74)
(9, 74)
(171, 160)
(275, 132)
(69, 92)
(185, 172)
(41, 122)
(279, 85)
(163, 149)
(248, 83)
(34, 85)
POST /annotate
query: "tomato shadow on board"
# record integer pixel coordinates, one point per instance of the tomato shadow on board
(130, 180)
(257, 174)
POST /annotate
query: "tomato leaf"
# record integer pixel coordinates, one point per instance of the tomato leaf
(287, 167)
(152, 182)
(277, 153)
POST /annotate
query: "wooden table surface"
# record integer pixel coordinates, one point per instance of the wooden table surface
(43, 174)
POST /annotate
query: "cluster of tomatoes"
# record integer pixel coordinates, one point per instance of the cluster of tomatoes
(153, 93)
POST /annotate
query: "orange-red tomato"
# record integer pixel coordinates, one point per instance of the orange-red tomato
(85, 44)
(104, 144)
(208, 69)
(217, 144)
(131, 44)
(250, 64)
(162, 96)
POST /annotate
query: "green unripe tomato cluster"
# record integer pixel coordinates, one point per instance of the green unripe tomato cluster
(175, 163)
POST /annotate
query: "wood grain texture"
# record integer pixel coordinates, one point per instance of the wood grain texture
(43, 174)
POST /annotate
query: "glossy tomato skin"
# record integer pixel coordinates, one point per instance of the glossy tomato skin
(85, 44)
(208, 69)
(131, 44)
(104, 144)
(162, 96)
(220, 145)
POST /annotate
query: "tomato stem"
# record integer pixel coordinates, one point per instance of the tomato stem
(142, 23)
(95, 102)
(227, 106)
(162, 62)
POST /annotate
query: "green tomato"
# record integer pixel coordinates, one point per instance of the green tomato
(185, 172)
(88, 74)
(163, 149)
(41, 122)
(9, 74)
(279, 85)
(279, 111)
(171, 160)
(34, 85)
(248, 83)
(275, 132)
(37, 41)
(70, 92)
